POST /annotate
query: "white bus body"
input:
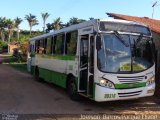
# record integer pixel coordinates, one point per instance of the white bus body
(105, 64)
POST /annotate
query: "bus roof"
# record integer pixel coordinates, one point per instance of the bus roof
(84, 24)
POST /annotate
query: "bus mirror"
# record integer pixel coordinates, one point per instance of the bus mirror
(98, 42)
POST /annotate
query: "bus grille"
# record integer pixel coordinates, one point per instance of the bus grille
(130, 80)
(129, 94)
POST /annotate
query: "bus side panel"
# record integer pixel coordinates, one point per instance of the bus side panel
(59, 78)
(53, 77)
(45, 74)
(52, 69)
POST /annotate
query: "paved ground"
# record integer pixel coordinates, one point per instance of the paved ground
(21, 94)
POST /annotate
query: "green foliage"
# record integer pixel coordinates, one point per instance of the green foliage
(20, 67)
(32, 21)
(15, 63)
(10, 59)
(17, 22)
(57, 24)
(3, 44)
(44, 17)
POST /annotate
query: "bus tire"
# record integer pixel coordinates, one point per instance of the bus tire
(72, 89)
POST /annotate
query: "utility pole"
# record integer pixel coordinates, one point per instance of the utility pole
(154, 5)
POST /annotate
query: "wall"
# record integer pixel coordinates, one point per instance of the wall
(11, 48)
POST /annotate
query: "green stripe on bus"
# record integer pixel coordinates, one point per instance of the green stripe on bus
(53, 77)
(135, 85)
(59, 57)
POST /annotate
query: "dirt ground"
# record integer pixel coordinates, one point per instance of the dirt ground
(21, 97)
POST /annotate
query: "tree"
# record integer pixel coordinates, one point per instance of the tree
(74, 21)
(49, 27)
(91, 18)
(57, 24)
(3, 26)
(44, 17)
(17, 23)
(10, 27)
(32, 21)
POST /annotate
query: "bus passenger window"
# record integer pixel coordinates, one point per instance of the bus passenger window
(41, 47)
(71, 43)
(37, 46)
(33, 50)
(54, 45)
(30, 47)
(59, 47)
(48, 46)
(45, 46)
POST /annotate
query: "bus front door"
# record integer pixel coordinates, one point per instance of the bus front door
(86, 64)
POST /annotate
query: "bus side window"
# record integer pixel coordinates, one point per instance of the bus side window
(53, 45)
(59, 47)
(37, 46)
(33, 50)
(71, 43)
(48, 46)
(41, 46)
(45, 46)
(30, 46)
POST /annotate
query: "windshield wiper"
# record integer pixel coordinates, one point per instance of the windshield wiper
(139, 38)
(120, 38)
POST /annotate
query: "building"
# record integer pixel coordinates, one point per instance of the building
(152, 23)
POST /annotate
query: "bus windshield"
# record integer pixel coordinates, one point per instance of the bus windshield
(114, 56)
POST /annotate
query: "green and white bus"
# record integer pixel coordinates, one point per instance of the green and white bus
(102, 59)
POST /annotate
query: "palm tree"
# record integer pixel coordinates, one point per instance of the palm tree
(44, 17)
(91, 18)
(10, 27)
(3, 26)
(17, 23)
(74, 21)
(49, 27)
(32, 21)
(57, 24)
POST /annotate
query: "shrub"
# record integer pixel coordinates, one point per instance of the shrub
(3, 44)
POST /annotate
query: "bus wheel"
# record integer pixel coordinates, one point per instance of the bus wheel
(72, 89)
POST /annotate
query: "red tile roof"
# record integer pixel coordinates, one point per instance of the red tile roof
(152, 23)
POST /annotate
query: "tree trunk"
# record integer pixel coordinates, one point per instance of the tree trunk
(44, 26)
(30, 30)
(2, 36)
(9, 38)
(18, 34)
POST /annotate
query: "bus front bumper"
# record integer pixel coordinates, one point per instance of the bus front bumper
(106, 94)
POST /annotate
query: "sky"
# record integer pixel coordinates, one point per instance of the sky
(83, 9)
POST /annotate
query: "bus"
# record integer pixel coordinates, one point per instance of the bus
(102, 59)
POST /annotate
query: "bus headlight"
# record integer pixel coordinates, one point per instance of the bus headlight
(150, 81)
(106, 83)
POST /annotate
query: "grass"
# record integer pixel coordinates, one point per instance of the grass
(15, 63)
(20, 67)
(9, 59)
